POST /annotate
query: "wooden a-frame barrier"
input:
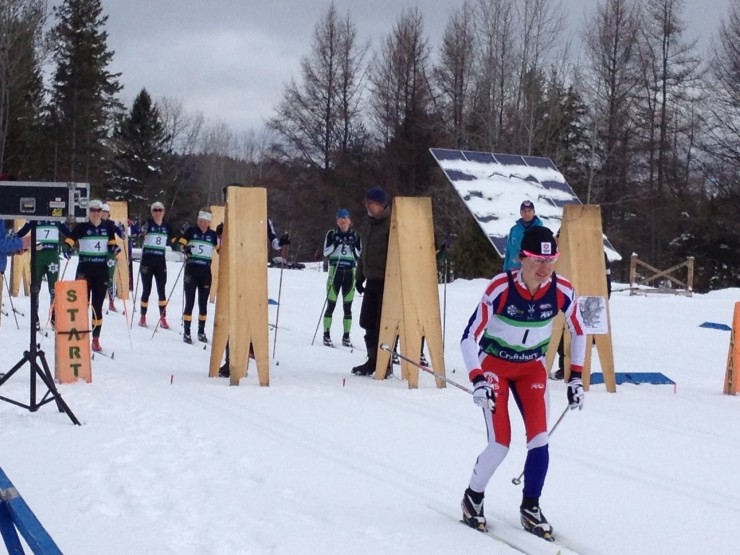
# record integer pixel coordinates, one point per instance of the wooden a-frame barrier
(411, 294)
(241, 305)
(581, 246)
(217, 213)
(119, 215)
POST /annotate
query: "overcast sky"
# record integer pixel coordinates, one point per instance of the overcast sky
(231, 59)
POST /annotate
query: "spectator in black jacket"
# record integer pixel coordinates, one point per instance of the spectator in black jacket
(370, 276)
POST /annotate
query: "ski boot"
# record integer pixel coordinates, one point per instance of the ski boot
(224, 371)
(186, 338)
(472, 510)
(558, 375)
(163, 323)
(534, 521)
(96, 345)
(202, 337)
(423, 360)
(111, 305)
(142, 321)
(346, 341)
(366, 369)
(327, 339)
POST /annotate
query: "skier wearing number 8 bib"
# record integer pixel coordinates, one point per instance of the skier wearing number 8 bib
(198, 243)
(504, 347)
(96, 241)
(158, 235)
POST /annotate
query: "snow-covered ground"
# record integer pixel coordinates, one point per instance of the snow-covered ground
(170, 461)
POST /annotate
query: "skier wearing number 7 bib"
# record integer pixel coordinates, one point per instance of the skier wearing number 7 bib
(158, 235)
(198, 243)
(96, 241)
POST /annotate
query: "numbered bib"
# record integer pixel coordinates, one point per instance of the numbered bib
(94, 246)
(155, 241)
(47, 235)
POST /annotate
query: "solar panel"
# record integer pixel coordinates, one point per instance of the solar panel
(493, 187)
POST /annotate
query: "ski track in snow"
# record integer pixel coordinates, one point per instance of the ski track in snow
(326, 462)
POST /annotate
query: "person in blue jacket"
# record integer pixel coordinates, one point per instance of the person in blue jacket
(528, 219)
(10, 245)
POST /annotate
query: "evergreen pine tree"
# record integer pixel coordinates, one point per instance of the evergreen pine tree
(21, 85)
(141, 162)
(83, 103)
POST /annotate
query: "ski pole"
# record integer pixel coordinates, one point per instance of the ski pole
(437, 375)
(64, 271)
(444, 308)
(167, 302)
(518, 480)
(133, 301)
(283, 254)
(321, 316)
(128, 326)
(13, 310)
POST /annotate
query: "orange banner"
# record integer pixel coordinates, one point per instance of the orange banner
(72, 332)
(732, 381)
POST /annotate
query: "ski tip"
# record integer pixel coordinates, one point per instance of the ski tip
(113, 355)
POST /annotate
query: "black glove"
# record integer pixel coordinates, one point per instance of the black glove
(220, 229)
(360, 288)
(337, 239)
(575, 391)
(188, 250)
(284, 239)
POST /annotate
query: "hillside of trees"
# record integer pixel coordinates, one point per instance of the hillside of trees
(637, 119)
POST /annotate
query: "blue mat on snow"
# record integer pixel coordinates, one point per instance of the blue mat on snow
(634, 377)
(715, 326)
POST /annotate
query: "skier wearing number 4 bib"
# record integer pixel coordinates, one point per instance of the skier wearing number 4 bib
(198, 243)
(158, 235)
(96, 241)
(504, 347)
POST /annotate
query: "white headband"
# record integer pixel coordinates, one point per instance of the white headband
(203, 215)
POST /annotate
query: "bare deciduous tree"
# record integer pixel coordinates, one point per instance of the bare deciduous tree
(454, 74)
(318, 114)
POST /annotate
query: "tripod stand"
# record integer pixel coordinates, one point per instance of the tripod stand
(33, 353)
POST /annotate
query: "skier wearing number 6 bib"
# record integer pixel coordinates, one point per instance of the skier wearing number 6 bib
(198, 243)
(158, 235)
(504, 347)
(96, 241)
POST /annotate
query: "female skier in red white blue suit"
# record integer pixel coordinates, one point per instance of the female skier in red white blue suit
(504, 347)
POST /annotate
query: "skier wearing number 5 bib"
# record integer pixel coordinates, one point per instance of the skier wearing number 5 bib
(96, 240)
(198, 243)
(158, 235)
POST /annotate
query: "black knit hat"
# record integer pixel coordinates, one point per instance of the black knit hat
(377, 194)
(539, 241)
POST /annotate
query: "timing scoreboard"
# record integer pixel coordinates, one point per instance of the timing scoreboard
(38, 200)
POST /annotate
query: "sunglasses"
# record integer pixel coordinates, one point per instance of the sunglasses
(539, 259)
(96, 210)
(157, 209)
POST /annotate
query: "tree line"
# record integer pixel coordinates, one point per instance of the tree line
(636, 118)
